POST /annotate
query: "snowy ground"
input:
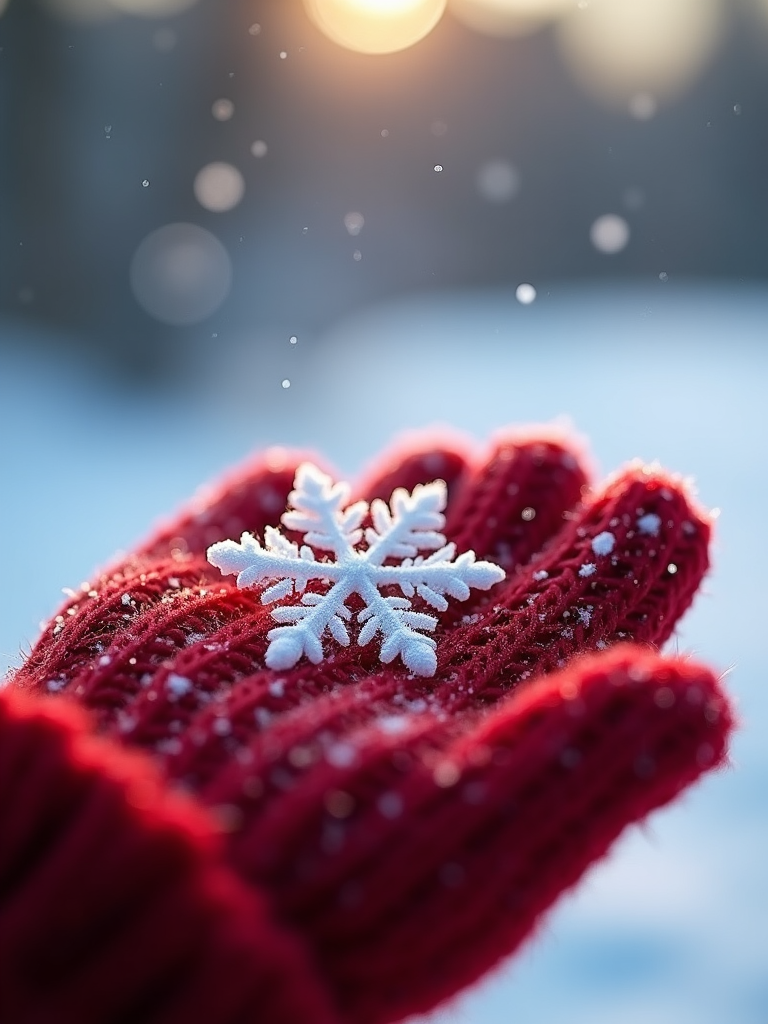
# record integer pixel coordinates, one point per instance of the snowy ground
(673, 928)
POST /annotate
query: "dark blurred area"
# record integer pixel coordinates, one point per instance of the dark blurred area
(464, 161)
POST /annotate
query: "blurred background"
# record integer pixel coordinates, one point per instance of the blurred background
(516, 141)
(326, 222)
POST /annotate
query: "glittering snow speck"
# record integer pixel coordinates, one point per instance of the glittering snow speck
(408, 524)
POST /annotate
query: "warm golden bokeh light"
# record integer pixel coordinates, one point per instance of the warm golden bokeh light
(375, 26)
(508, 17)
(621, 48)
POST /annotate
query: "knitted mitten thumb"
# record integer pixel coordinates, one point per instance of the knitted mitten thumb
(114, 904)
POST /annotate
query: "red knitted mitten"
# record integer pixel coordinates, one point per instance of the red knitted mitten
(409, 757)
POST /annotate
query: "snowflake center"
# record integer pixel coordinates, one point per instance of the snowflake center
(408, 524)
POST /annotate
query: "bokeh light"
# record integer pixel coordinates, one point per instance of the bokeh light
(508, 17)
(223, 109)
(642, 106)
(609, 234)
(498, 181)
(219, 187)
(180, 274)
(259, 148)
(618, 49)
(354, 223)
(375, 26)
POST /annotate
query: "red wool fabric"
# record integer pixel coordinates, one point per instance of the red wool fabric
(355, 844)
(115, 904)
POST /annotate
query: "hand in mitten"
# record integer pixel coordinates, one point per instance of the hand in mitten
(408, 756)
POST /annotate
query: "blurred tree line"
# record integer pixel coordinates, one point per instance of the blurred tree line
(105, 124)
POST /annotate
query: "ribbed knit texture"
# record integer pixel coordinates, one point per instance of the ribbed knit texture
(409, 832)
(115, 903)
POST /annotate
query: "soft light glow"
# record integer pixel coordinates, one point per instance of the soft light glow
(609, 234)
(525, 294)
(98, 10)
(152, 8)
(375, 26)
(508, 17)
(642, 106)
(498, 181)
(223, 109)
(219, 187)
(354, 223)
(180, 274)
(619, 49)
(760, 7)
(78, 10)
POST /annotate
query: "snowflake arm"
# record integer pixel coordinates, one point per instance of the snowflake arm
(279, 560)
(408, 524)
(317, 512)
(315, 614)
(433, 577)
(394, 619)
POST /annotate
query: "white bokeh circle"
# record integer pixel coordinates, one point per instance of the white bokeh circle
(609, 234)
(180, 274)
(219, 186)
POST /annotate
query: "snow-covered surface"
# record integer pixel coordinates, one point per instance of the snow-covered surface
(673, 928)
(409, 524)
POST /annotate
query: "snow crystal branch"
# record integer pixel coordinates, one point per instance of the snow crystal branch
(408, 524)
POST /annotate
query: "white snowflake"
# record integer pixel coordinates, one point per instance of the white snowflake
(409, 524)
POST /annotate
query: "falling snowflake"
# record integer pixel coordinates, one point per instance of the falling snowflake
(409, 524)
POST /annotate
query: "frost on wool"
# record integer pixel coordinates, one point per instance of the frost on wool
(649, 524)
(603, 543)
(408, 524)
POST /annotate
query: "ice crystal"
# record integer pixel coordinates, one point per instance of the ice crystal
(649, 524)
(603, 543)
(399, 530)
